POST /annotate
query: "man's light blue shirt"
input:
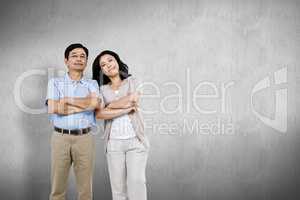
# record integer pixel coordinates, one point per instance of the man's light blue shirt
(66, 87)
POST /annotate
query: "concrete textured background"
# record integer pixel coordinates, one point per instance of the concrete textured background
(163, 42)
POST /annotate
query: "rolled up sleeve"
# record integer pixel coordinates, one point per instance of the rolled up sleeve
(94, 88)
(52, 91)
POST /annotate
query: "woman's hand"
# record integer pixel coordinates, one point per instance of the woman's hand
(128, 101)
(134, 98)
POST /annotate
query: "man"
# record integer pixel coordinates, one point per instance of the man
(71, 102)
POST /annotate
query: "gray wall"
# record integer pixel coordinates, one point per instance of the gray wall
(210, 147)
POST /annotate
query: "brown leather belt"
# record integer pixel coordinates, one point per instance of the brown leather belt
(73, 131)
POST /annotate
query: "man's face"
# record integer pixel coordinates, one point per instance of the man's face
(77, 60)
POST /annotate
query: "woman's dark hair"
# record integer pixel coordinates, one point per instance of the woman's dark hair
(100, 77)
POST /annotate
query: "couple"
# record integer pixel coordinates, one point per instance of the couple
(73, 104)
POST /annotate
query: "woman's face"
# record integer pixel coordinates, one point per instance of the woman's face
(109, 65)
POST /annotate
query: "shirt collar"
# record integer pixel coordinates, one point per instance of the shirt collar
(68, 79)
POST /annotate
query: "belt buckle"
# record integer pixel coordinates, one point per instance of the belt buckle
(81, 131)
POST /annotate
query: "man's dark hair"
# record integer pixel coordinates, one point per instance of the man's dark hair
(75, 46)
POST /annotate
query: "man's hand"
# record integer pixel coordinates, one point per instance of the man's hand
(65, 100)
(61, 107)
(90, 102)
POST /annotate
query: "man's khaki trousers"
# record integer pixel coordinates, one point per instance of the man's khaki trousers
(67, 150)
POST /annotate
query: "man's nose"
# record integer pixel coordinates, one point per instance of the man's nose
(79, 59)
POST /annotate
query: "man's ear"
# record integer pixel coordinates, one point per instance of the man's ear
(66, 60)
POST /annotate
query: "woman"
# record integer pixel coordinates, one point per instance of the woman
(126, 145)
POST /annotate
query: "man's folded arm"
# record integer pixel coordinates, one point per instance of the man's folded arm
(90, 102)
(60, 108)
